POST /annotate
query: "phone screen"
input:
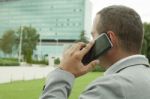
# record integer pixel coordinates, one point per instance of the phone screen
(102, 44)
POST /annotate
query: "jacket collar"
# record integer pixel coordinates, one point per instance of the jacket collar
(126, 62)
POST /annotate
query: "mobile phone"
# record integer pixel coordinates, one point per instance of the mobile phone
(102, 45)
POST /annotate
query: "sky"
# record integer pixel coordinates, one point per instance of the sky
(141, 6)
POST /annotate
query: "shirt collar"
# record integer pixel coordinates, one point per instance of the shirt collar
(125, 62)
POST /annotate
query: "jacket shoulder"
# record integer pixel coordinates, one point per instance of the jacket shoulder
(107, 87)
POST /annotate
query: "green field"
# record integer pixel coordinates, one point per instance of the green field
(32, 89)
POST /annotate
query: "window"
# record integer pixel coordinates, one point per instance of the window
(77, 10)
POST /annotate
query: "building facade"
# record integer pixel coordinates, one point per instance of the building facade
(59, 22)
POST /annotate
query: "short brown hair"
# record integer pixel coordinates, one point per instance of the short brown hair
(125, 22)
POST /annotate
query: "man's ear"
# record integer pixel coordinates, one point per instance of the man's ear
(113, 38)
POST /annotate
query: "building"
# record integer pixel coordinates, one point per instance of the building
(59, 22)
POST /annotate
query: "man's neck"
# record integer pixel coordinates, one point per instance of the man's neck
(111, 59)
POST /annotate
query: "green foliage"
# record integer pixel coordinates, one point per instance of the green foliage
(82, 37)
(9, 62)
(11, 41)
(146, 41)
(30, 38)
(8, 41)
(44, 62)
(57, 61)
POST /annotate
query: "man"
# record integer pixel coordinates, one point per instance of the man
(128, 73)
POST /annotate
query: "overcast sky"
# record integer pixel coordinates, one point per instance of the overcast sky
(141, 6)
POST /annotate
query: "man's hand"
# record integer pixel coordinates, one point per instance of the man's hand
(72, 58)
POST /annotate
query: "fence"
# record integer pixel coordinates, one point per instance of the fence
(13, 73)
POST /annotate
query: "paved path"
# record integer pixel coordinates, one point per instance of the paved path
(13, 73)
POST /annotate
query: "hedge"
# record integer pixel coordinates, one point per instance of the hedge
(9, 62)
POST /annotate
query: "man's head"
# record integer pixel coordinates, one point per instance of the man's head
(123, 25)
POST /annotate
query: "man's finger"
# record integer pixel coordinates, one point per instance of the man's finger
(78, 46)
(90, 66)
(86, 48)
(75, 47)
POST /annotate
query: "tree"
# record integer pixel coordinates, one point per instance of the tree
(83, 37)
(30, 39)
(8, 41)
(57, 61)
(146, 41)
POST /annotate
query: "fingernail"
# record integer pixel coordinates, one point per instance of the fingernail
(97, 61)
(92, 41)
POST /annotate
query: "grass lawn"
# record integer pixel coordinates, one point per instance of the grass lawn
(32, 89)
(21, 89)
